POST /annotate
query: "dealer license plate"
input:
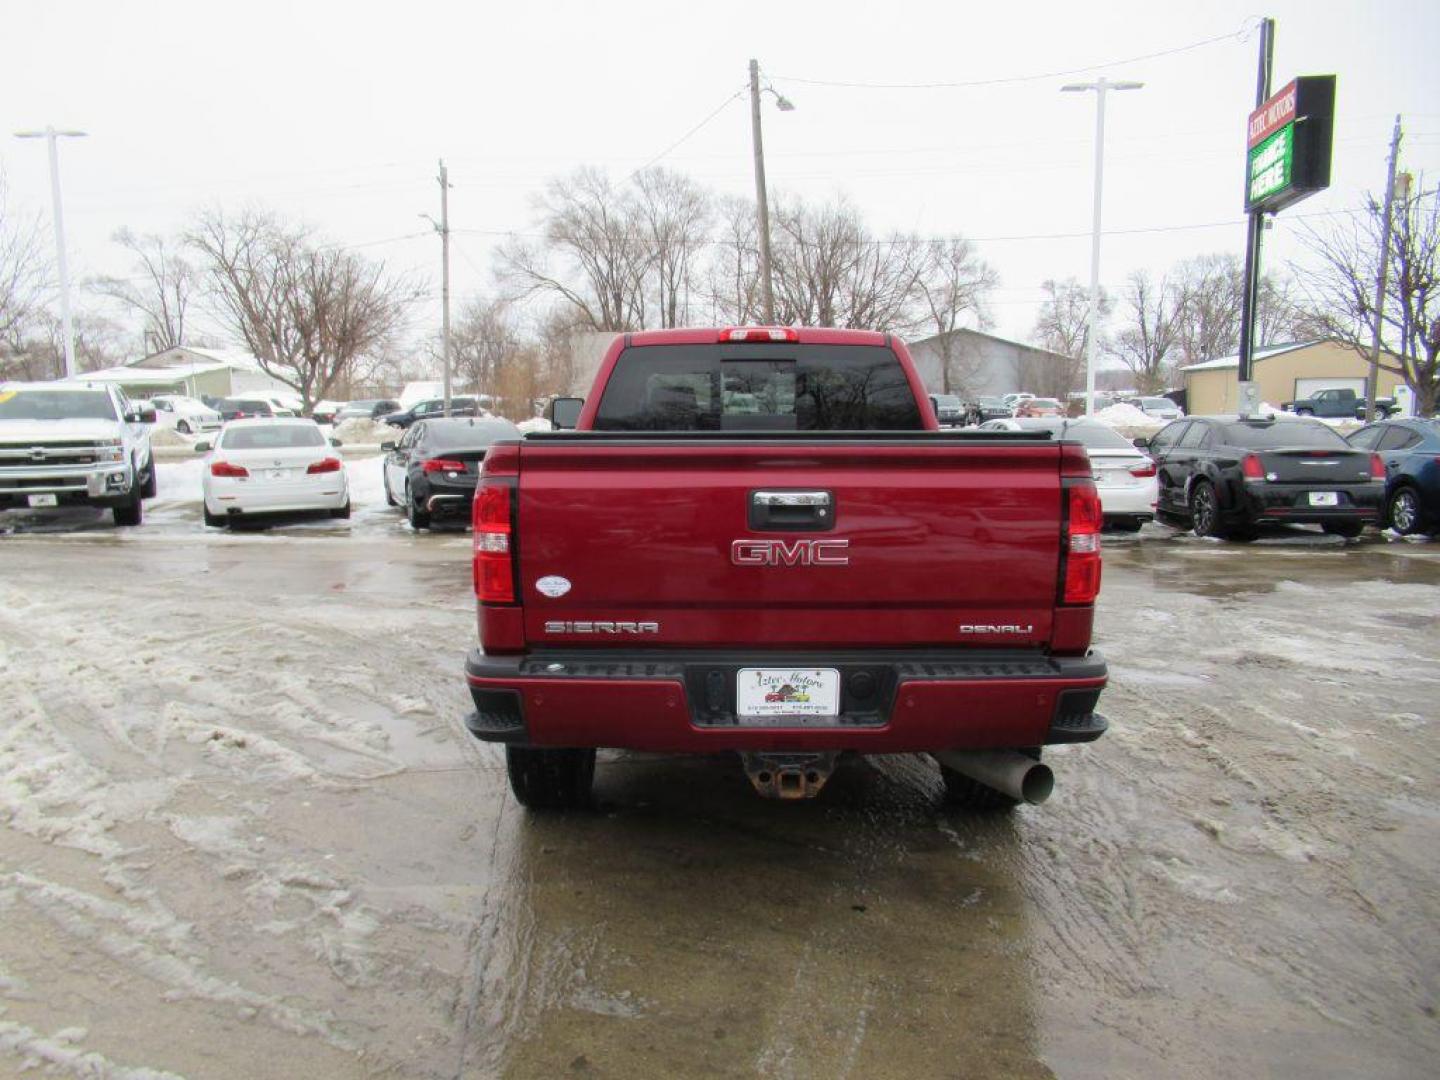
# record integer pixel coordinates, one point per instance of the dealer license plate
(1324, 498)
(787, 692)
(44, 499)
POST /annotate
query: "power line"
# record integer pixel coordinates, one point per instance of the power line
(683, 138)
(1237, 35)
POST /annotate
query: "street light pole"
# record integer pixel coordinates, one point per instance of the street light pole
(767, 293)
(762, 202)
(443, 228)
(1101, 86)
(51, 135)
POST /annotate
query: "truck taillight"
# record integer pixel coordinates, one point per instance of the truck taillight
(1251, 468)
(226, 468)
(494, 561)
(1082, 543)
(759, 333)
(325, 465)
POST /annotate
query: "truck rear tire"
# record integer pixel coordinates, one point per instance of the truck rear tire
(968, 794)
(550, 779)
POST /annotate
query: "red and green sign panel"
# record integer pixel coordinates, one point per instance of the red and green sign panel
(1288, 145)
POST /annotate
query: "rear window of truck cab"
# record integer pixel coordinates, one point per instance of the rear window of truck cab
(758, 387)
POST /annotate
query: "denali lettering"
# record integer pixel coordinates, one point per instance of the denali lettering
(790, 552)
(602, 627)
(995, 628)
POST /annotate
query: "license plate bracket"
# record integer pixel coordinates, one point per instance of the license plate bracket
(772, 692)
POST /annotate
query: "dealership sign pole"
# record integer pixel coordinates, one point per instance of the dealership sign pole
(1287, 158)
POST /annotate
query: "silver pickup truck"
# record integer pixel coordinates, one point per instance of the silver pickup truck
(67, 444)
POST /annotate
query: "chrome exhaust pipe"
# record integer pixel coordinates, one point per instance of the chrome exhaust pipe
(1007, 771)
(435, 500)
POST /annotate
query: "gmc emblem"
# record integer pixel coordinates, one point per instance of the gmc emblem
(790, 552)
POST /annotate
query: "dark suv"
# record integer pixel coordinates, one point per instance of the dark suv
(1224, 476)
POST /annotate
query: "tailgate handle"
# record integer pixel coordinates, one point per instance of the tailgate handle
(792, 511)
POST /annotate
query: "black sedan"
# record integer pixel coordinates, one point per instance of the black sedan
(1410, 451)
(431, 472)
(1224, 476)
(432, 408)
(242, 408)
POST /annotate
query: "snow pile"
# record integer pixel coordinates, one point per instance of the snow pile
(1128, 416)
(169, 437)
(365, 432)
(535, 423)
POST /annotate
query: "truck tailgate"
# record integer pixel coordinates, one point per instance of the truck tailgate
(926, 541)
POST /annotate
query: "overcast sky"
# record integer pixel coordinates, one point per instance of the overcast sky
(337, 113)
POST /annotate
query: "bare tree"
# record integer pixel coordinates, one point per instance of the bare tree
(1062, 326)
(482, 340)
(160, 291)
(1341, 290)
(675, 214)
(954, 289)
(24, 285)
(733, 277)
(1212, 291)
(595, 232)
(307, 311)
(830, 271)
(1150, 329)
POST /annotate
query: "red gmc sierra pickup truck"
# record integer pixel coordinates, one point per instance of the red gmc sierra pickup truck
(758, 540)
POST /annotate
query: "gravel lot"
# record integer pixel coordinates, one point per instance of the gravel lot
(242, 834)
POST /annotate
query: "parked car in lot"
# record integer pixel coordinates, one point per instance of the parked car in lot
(1224, 476)
(949, 410)
(187, 415)
(1039, 406)
(1410, 451)
(1338, 403)
(1014, 399)
(656, 579)
(368, 409)
(69, 444)
(1161, 408)
(243, 408)
(431, 471)
(1124, 476)
(433, 407)
(275, 465)
(323, 412)
(987, 408)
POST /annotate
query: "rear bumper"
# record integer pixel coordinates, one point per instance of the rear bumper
(1290, 502)
(683, 701)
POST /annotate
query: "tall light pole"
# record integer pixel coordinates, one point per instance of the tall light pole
(50, 135)
(1101, 86)
(762, 202)
(443, 228)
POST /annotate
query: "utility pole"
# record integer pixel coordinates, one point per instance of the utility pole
(1255, 229)
(445, 279)
(1382, 279)
(67, 327)
(1101, 86)
(767, 293)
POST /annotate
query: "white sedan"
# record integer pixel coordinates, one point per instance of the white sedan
(272, 466)
(1124, 477)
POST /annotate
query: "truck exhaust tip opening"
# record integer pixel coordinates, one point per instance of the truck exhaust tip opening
(1007, 771)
